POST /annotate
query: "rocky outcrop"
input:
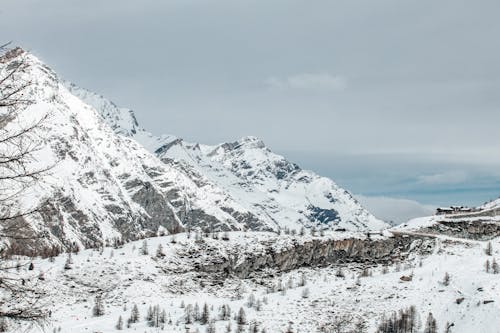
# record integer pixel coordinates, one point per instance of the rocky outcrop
(243, 261)
(477, 229)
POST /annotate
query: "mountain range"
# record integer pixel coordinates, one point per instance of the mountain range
(111, 178)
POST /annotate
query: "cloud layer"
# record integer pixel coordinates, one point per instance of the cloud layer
(395, 210)
(412, 82)
(308, 81)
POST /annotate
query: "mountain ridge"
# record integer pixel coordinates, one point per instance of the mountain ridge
(249, 163)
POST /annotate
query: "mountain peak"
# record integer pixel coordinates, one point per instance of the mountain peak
(251, 142)
(121, 120)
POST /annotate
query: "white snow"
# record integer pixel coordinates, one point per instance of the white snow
(125, 277)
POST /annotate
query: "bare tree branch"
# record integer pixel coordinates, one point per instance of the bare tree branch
(21, 298)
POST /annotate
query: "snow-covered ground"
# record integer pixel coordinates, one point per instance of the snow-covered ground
(125, 276)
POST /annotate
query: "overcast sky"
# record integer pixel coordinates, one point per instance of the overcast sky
(389, 98)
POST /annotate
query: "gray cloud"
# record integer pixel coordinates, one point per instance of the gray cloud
(448, 177)
(422, 77)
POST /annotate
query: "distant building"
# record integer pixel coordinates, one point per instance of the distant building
(453, 210)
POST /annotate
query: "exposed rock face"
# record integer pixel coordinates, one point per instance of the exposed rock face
(160, 213)
(478, 229)
(244, 261)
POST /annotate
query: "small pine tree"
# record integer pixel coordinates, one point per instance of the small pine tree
(196, 312)
(225, 312)
(159, 251)
(144, 248)
(31, 266)
(98, 309)
(241, 317)
(134, 314)
(251, 300)
(205, 315)
(487, 266)
(149, 314)
(253, 327)
(119, 324)
(446, 279)
(258, 305)
(289, 283)
(494, 266)
(211, 327)
(69, 261)
(489, 249)
(303, 280)
(188, 314)
(163, 317)
(430, 324)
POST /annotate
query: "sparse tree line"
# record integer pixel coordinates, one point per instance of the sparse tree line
(203, 316)
(282, 286)
(313, 231)
(407, 321)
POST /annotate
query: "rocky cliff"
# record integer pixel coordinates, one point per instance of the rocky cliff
(284, 253)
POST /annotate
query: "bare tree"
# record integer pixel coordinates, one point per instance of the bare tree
(20, 297)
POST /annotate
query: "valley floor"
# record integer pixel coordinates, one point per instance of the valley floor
(125, 276)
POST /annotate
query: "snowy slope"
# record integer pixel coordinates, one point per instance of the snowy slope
(105, 185)
(125, 277)
(494, 204)
(277, 191)
(273, 187)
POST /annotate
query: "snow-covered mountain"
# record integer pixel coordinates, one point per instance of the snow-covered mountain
(111, 178)
(279, 192)
(105, 185)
